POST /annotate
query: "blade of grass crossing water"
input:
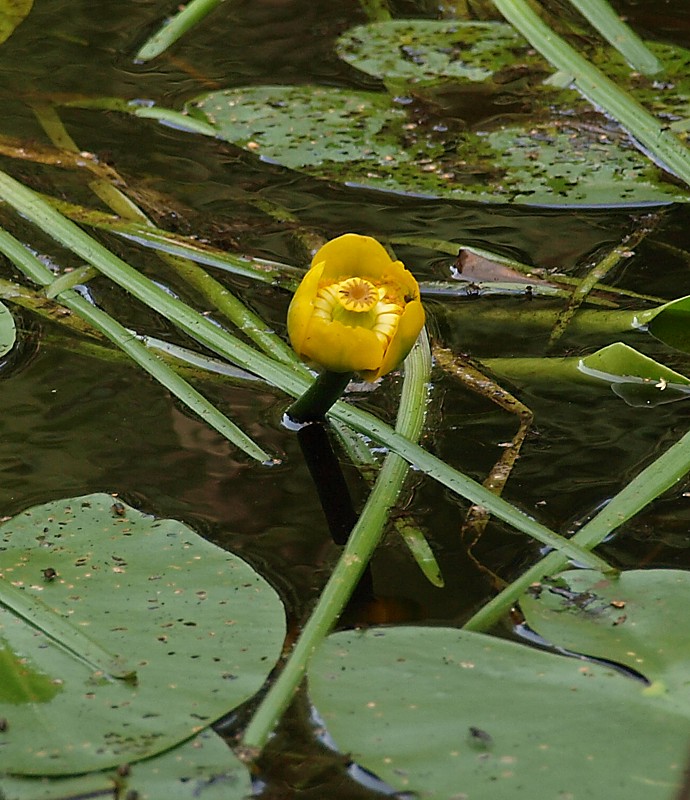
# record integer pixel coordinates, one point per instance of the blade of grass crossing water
(126, 341)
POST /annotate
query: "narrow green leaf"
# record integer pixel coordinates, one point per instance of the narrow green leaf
(619, 35)
(646, 131)
(175, 27)
(31, 266)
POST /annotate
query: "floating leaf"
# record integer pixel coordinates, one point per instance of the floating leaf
(8, 332)
(367, 139)
(442, 713)
(199, 627)
(669, 323)
(202, 767)
(425, 50)
(12, 12)
(636, 378)
(631, 620)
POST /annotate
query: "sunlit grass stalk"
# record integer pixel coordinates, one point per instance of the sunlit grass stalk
(283, 376)
(601, 16)
(128, 343)
(648, 134)
(172, 29)
(657, 478)
(356, 554)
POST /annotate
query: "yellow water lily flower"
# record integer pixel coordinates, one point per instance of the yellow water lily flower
(356, 310)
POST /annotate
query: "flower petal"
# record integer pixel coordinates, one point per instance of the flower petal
(411, 323)
(340, 348)
(302, 307)
(352, 255)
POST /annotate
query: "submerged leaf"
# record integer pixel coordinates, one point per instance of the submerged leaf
(198, 625)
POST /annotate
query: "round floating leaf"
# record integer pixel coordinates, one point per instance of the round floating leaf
(631, 619)
(423, 50)
(446, 713)
(305, 126)
(12, 12)
(202, 767)
(121, 634)
(368, 139)
(8, 333)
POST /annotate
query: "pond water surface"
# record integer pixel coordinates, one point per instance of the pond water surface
(72, 424)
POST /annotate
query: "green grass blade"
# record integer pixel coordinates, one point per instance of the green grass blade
(175, 27)
(648, 134)
(657, 478)
(286, 378)
(124, 339)
(602, 17)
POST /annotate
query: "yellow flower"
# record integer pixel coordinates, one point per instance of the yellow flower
(356, 310)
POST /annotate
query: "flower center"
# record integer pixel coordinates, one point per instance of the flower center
(357, 294)
(359, 303)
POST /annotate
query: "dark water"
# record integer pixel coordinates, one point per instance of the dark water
(71, 424)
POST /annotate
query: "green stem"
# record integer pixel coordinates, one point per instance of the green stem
(173, 28)
(363, 541)
(314, 404)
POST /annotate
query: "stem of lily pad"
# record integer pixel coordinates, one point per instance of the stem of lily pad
(313, 405)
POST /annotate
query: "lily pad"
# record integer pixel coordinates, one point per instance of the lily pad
(370, 140)
(202, 767)
(628, 620)
(442, 713)
(121, 635)
(422, 50)
(8, 332)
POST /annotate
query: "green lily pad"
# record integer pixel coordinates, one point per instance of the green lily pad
(422, 50)
(12, 12)
(441, 712)
(121, 635)
(370, 140)
(8, 332)
(201, 767)
(628, 619)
